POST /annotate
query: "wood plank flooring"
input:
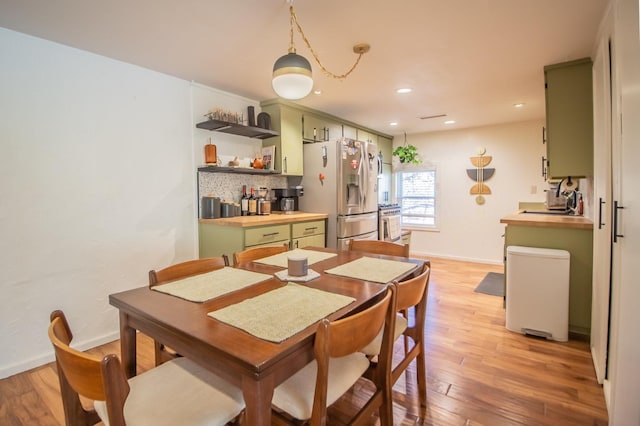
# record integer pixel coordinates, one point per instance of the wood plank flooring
(479, 373)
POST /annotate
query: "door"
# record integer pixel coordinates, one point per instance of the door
(602, 208)
(343, 242)
(353, 177)
(357, 224)
(623, 367)
(373, 169)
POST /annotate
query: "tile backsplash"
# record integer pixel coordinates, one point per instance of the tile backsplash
(228, 186)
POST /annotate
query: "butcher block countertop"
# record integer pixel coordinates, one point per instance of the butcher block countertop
(547, 220)
(271, 219)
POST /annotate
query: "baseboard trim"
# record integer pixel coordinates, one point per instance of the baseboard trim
(21, 367)
(460, 258)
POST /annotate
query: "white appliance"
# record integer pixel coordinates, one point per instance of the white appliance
(537, 294)
(341, 179)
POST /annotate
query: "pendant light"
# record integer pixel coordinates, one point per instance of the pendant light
(292, 72)
(292, 76)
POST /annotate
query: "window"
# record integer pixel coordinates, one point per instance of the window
(416, 194)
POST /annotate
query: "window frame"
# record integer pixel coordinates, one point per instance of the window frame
(413, 168)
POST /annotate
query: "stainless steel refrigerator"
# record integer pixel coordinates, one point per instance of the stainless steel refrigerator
(341, 179)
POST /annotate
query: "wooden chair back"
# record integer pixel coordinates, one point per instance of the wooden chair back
(185, 269)
(87, 375)
(348, 335)
(257, 253)
(174, 272)
(411, 296)
(379, 247)
(413, 291)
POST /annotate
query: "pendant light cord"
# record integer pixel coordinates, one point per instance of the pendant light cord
(359, 49)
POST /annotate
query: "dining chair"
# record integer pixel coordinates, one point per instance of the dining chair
(379, 247)
(412, 295)
(186, 269)
(178, 392)
(257, 253)
(339, 364)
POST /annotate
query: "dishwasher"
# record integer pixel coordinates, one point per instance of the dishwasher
(537, 296)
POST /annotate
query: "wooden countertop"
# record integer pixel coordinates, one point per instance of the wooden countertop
(272, 219)
(547, 220)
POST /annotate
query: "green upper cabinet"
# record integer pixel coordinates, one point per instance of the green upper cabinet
(385, 145)
(315, 128)
(569, 111)
(288, 121)
(349, 132)
(363, 135)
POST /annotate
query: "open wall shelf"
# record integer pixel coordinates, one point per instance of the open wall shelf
(237, 129)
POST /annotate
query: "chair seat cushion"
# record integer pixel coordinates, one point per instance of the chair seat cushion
(178, 392)
(373, 348)
(295, 395)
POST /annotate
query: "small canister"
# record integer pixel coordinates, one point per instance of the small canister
(226, 209)
(298, 266)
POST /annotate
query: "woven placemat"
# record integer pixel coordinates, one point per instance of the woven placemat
(281, 313)
(281, 259)
(372, 269)
(203, 287)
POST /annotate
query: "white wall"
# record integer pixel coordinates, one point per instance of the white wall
(97, 187)
(467, 230)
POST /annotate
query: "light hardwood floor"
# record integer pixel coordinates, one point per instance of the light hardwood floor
(479, 373)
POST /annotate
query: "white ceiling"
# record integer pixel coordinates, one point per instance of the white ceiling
(469, 59)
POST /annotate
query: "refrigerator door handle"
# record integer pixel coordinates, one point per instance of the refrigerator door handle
(362, 182)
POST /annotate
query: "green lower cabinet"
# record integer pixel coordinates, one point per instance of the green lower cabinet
(312, 241)
(306, 234)
(216, 240)
(579, 243)
(406, 237)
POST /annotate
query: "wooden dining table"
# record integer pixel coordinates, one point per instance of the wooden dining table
(255, 365)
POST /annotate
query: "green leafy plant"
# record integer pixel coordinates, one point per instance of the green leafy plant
(407, 154)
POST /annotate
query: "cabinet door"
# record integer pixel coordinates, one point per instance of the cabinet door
(349, 132)
(288, 121)
(569, 111)
(314, 128)
(216, 240)
(305, 229)
(385, 145)
(291, 140)
(363, 135)
(266, 235)
(385, 191)
(406, 237)
(313, 240)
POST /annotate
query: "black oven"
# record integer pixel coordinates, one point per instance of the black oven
(389, 222)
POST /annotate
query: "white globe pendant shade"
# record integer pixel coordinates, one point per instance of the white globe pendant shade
(292, 77)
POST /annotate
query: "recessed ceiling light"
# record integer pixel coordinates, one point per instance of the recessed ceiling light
(518, 105)
(393, 123)
(317, 92)
(450, 122)
(404, 90)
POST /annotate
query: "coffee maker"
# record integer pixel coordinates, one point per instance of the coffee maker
(285, 200)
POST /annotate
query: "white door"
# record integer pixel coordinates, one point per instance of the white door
(601, 208)
(624, 349)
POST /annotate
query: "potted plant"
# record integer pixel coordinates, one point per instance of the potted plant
(407, 154)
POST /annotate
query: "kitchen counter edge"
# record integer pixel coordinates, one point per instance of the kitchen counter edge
(547, 221)
(271, 219)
